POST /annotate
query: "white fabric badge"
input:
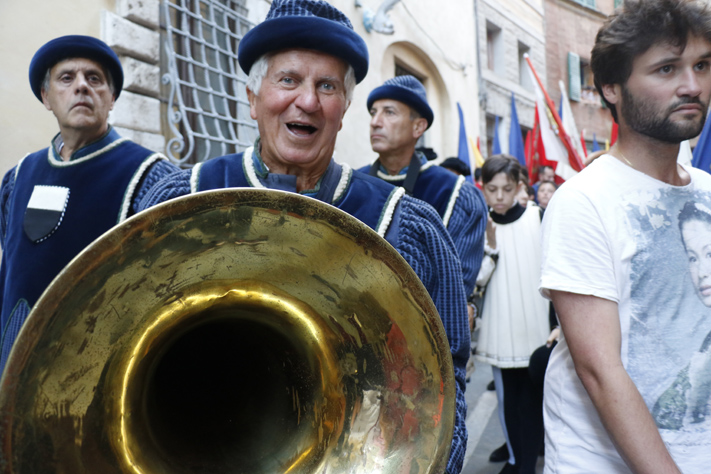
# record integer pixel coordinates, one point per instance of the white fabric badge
(45, 211)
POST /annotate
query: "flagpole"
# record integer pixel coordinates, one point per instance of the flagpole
(578, 165)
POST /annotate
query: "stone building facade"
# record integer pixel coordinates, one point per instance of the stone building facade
(209, 115)
(505, 32)
(571, 27)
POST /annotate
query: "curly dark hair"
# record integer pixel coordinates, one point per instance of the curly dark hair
(638, 25)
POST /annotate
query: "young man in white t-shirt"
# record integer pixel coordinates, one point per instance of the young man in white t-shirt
(616, 266)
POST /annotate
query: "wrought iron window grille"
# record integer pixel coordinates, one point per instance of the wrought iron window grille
(207, 109)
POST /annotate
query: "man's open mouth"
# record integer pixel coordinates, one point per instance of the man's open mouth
(301, 129)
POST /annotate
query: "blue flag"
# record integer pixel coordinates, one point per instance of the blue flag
(516, 148)
(496, 146)
(702, 153)
(463, 153)
(595, 144)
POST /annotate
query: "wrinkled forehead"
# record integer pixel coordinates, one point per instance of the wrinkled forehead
(77, 64)
(300, 59)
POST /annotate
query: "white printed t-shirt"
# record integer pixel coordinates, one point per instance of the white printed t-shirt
(613, 232)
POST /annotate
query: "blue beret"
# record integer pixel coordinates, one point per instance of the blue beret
(74, 46)
(308, 24)
(457, 165)
(405, 89)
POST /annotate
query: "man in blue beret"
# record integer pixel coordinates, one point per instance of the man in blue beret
(58, 200)
(303, 64)
(400, 114)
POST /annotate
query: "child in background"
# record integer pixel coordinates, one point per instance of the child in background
(545, 193)
(515, 321)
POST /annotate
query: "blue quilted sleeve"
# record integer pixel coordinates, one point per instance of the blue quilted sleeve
(170, 187)
(429, 249)
(467, 226)
(157, 171)
(8, 184)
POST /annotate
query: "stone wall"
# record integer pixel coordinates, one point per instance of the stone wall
(133, 33)
(496, 86)
(572, 27)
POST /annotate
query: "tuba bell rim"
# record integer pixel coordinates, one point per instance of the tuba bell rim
(233, 209)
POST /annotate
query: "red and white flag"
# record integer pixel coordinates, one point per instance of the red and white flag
(569, 121)
(566, 157)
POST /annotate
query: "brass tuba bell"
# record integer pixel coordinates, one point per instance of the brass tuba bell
(231, 331)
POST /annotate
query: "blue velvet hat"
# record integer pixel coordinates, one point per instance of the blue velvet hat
(308, 24)
(405, 89)
(454, 163)
(74, 46)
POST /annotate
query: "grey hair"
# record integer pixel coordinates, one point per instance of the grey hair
(109, 79)
(261, 65)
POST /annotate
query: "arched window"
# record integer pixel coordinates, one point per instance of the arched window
(402, 58)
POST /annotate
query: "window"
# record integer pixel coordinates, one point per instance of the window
(401, 70)
(494, 48)
(524, 132)
(524, 76)
(574, 84)
(580, 80)
(588, 93)
(491, 122)
(207, 109)
(587, 3)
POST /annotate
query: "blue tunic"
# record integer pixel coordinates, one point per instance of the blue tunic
(410, 225)
(51, 209)
(460, 205)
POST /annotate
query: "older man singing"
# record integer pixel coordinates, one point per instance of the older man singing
(303, 63)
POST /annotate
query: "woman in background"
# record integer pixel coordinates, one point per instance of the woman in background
(687, 402)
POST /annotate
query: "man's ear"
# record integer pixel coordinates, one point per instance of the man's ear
(45, 99)
(252, 98)
(348, 104)
(419, 125)
(612, 93)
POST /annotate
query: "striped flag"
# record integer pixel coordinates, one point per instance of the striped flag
(463, 153)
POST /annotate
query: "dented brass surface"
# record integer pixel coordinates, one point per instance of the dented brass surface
(231, 331)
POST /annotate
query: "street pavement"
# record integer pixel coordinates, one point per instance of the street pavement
(483, 425)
